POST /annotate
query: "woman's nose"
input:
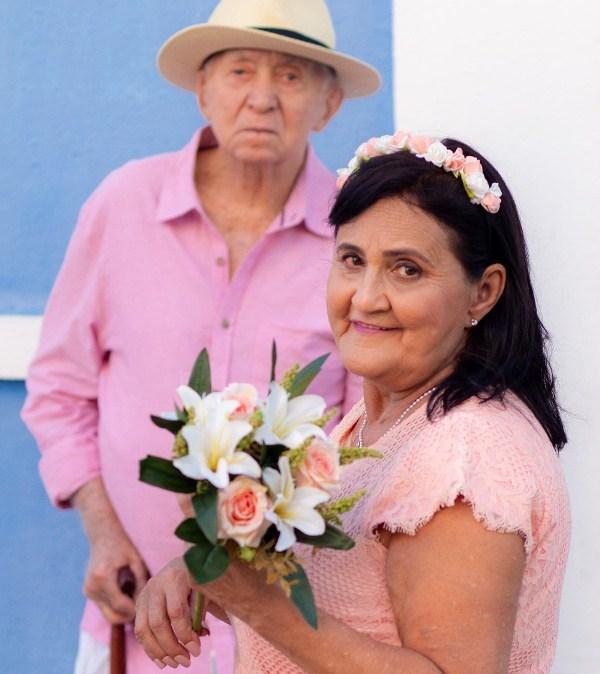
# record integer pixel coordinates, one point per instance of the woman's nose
(370, 294)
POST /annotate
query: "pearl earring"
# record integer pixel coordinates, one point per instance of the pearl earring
(474, 322)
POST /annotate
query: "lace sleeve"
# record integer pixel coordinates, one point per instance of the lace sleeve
(485, 458)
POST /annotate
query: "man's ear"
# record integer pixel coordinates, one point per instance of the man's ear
(487, 292)
(333, 100)
(201, 90)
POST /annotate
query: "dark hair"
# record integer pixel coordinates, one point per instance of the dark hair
(507, 350)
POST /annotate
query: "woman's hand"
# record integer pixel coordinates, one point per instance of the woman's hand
(163, 621)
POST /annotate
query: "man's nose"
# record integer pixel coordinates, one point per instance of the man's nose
(262, 96)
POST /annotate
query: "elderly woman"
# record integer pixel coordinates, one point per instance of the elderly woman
(203, 247)
(462, 537)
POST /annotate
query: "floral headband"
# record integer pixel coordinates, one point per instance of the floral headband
(468, 169)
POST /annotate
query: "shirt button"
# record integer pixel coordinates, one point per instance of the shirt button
(225, 324)
(220, 261)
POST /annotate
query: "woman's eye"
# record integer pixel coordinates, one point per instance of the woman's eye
(407, 270)
(351, 260)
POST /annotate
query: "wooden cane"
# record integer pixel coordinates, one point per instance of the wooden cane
(118, 655)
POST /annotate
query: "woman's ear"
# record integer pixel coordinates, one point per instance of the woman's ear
(487, 291)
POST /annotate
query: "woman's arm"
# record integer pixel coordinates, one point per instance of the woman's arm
(454, 589)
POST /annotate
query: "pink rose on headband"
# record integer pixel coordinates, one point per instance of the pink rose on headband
(320, 467)
(241, 511)
(418, 144)
(399, 140)
(455, 161)
(472, 165)
(491, 199)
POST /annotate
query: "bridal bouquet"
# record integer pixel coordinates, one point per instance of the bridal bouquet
(262, 473)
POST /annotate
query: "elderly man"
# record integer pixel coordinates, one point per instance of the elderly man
(223, 245)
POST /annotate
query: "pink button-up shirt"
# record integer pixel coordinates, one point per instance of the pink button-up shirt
(144, 286)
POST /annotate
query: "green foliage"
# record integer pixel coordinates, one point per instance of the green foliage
(190, 532)
(200, 377)
(303, 379)
(171, 425)
(273, 360)
(162, 473)
(332, 538)
(206, 562)
(269, 455)
(205, 507)
(302, 596)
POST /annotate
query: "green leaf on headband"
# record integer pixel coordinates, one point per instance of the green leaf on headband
(205, 507)
(306, 375)
(172, 425)
(200, 377)
(190, 532)
(206, 562)
(302, 595)
(162, 473)
(331, 538)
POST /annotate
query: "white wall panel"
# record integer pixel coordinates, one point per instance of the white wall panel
(520, 80)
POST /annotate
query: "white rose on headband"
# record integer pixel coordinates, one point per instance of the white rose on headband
(478, 185)
(437, 153)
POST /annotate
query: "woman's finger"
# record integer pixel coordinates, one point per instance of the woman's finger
(178, 609)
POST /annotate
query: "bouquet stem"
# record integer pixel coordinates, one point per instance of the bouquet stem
(198, 611)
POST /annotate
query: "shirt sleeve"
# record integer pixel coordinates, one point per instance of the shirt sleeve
(479, 460)
(61, 408)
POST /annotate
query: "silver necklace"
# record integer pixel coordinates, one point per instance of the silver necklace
(398, 421)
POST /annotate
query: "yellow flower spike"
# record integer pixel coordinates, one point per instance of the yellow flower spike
(180, 447)
(289, 376)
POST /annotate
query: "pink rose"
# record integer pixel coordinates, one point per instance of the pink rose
(455, 161)
(490, 202)
(241, 511)
(472, 165)
(399, 139)
(419, 144)
(321, 466)
(247, 398)
(341, 181)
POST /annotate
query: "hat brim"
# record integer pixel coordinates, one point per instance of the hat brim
(181, 56)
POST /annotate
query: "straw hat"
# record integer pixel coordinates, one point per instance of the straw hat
(298, 27)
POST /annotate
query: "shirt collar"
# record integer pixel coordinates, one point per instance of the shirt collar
(309, 201)
(178, 195)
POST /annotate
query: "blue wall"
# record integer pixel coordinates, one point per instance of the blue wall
(80, 95)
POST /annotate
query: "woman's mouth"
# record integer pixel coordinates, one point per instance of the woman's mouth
(369, 328)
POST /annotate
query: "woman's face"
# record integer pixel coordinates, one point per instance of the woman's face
(398, 299)
(262, 105)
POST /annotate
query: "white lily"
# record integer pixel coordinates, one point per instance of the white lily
(293, 507)
(290, 422)
(212, 438)
(201, 408)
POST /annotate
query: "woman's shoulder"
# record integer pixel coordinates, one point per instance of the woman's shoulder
(494, 454)
(493, 424)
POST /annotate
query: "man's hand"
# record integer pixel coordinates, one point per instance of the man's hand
(110, 550)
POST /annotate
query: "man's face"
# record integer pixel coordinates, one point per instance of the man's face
(262, 105)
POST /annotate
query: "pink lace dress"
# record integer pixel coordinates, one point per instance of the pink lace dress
(499, 459)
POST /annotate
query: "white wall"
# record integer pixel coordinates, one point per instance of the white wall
(520, 80)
